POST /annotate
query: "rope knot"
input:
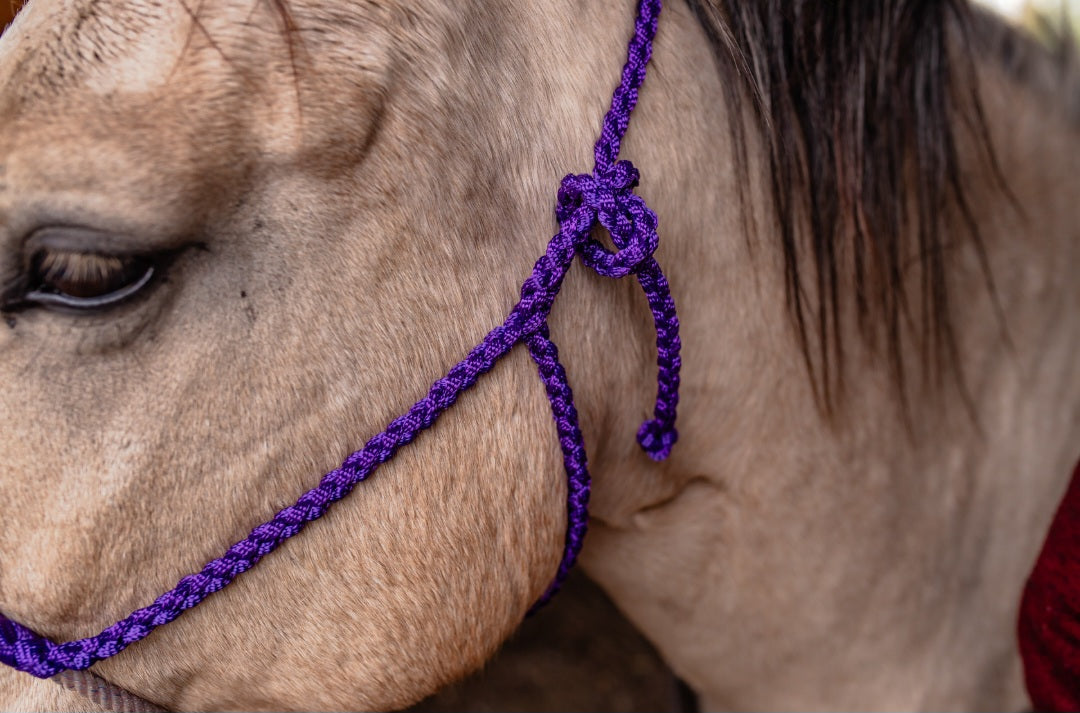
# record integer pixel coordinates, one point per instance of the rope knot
(607, 197)
(621, 176)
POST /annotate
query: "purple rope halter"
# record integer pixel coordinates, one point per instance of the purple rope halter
(606, 198)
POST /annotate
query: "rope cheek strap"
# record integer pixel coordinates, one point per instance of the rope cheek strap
(604, 197)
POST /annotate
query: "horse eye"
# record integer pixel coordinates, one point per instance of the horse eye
(81, 280)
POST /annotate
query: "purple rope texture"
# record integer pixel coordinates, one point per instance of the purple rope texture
(604, 197)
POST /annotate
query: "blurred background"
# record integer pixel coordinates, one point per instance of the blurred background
(1039, 16)
(1023, 10)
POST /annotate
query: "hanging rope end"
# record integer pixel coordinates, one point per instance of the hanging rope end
(656, 438)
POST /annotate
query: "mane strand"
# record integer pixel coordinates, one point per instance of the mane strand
(859, 105)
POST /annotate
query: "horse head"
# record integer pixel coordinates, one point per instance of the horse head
(300, 200)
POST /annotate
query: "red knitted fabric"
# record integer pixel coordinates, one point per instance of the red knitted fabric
(1050, 613)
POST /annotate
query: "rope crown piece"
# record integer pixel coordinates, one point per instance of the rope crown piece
(606, 198)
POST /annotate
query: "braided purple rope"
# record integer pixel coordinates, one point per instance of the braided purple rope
(606, 198)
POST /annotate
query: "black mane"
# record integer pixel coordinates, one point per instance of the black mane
(859, 104)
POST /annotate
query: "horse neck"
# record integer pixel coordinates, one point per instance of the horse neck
(750, 499)
(725, 268)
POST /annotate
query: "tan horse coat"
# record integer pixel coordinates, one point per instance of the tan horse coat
(349, 214)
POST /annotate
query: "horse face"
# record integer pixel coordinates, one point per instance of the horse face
(231, 249)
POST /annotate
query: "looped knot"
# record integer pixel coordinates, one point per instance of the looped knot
(656, 438)
(606, 197)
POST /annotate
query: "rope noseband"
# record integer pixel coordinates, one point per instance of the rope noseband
(606, 198)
